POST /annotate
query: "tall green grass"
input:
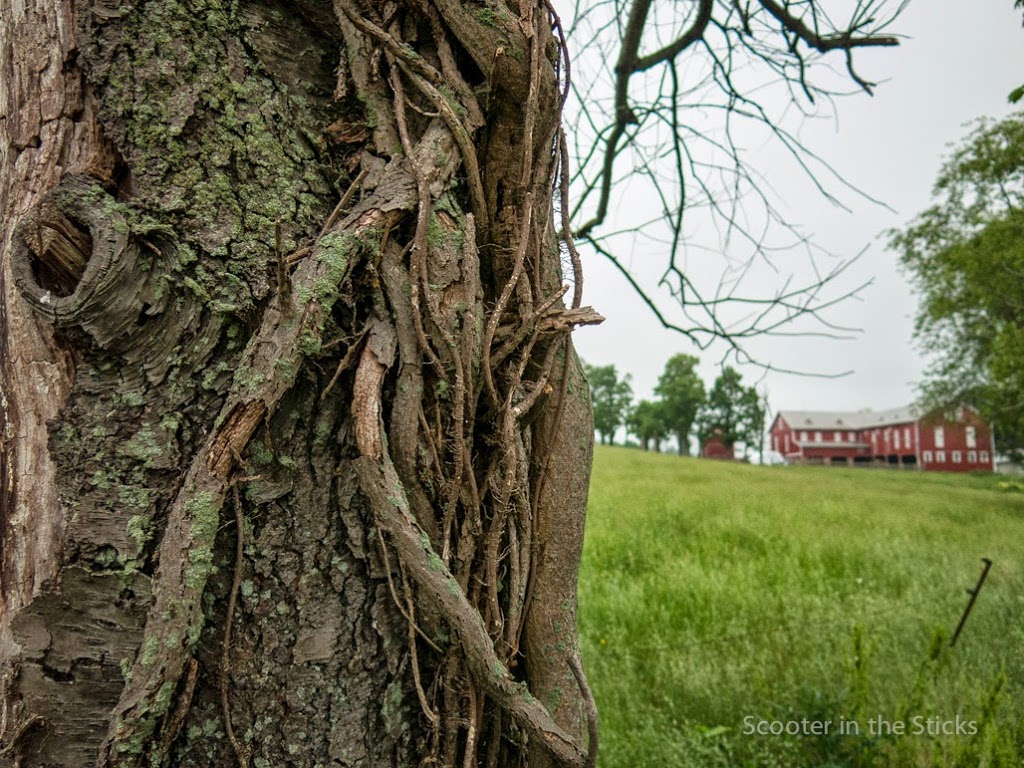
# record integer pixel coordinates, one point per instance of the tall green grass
(711, 592)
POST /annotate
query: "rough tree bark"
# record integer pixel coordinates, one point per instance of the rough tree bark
(294, 444)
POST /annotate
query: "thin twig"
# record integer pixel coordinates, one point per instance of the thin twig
(343, 203)
(397, 601)
(506, 294)
(413, 656)
(345, 363)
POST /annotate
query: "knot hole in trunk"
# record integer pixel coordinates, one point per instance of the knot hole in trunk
(58, 251)
(66, 247)
(83, 259)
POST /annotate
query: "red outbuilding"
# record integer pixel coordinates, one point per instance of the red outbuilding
(952, 439)
(714, 447)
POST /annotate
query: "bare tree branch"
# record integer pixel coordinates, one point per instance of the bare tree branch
(684, 94)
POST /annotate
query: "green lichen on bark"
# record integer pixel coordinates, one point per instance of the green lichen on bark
(440, 236)
(139, 530)
(310, 342)
(146, 446)
(220, 149)
(205, 515)
(392, 708)
(149, 649)
(337, 250)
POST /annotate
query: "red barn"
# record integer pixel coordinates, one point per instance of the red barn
(953, 439)
(715, 448)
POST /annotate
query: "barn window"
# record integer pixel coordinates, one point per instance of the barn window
(972, 457)
(957, 457)
(851, 436)
(927, 457)
(803, 437)
(972, 437)
(984, 457)
(906, 436)
(940, 437)
(817, 437)
(837, 437)
(940, 457)
(897, 438)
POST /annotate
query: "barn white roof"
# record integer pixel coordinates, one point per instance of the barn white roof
(850, 419)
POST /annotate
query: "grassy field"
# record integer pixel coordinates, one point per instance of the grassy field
(711, 593)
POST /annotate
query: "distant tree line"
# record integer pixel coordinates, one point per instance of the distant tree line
(683, 407)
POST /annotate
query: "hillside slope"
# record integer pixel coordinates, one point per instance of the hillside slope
(715, 592)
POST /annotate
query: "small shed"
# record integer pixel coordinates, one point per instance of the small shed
(715, 448)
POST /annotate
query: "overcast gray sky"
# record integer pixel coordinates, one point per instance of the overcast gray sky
(959, 62)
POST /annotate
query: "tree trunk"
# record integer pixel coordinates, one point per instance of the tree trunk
(295, 446)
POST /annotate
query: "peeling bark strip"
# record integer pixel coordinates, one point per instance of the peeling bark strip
(318, 270)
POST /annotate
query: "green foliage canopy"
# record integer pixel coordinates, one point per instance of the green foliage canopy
(965, 256)
(611, 397)
(734, 409)
(682, 394)
(649, 423)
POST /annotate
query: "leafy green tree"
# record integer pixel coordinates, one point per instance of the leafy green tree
(647, 421)
(611, 397)
(754, 414)
(965, 255)
(734, 409)
(682, 394)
